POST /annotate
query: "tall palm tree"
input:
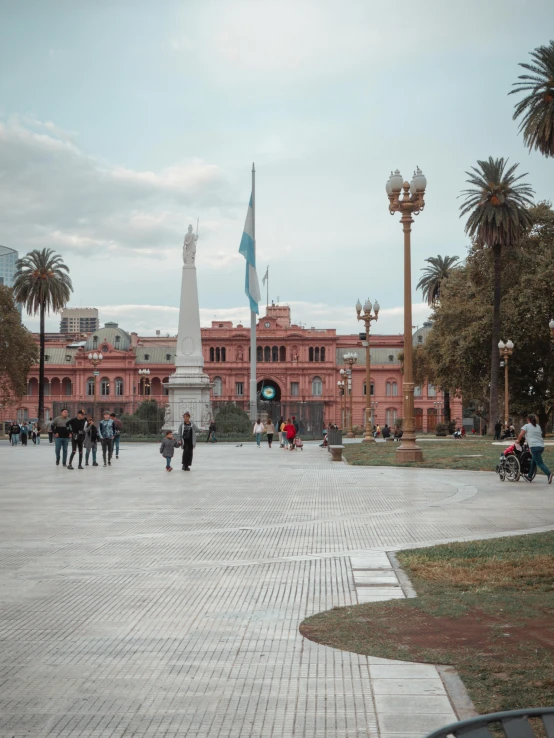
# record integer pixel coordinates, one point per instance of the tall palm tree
(41, 284)
(440, 269)
(498, 217)
(537, 107)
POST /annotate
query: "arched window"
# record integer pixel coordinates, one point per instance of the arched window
(212, 353)
(105, 387)
(144, 387)
(259, 354)
(218, 387)
(118, 386)
(46, 388)
(322, 354)
(391, 416)
(394, 389)
(431, 390)
(267, 353)
(223, 354)
(317, 387)
(90, 386)
(388, 389)
(274, 353)
(165, 380)
(317, 353)
(217, 354)
(67, 387)
(32, 387)
(311, 354)
(282, 354)
(95, 342)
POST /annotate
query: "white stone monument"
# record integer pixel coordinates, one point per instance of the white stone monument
(188, 386)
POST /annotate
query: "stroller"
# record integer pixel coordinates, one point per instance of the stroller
(298, 443)
(515, 462)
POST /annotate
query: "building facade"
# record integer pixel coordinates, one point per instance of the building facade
(300, 365)
(8, 258)
(79, 320)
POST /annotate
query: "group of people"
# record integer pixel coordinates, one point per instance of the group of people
(19, 433)
(186, 440)
(503, 431)
(84, 434)
(286, 430)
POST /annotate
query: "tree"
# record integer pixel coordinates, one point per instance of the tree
(42, 284)
(232, 420)
(537, 107)
(18, 350)
(498, 218)
(440, 269)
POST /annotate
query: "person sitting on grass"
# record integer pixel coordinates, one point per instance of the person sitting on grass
(167, 449)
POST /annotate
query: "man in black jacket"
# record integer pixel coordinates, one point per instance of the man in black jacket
(77, 432)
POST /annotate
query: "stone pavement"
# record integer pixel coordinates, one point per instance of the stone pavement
(134, 602)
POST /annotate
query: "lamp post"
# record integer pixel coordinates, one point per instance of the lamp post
(95, 359)
(412, 201)
(341, 385)
(505, 350)
(143, 381)
(374, 406)
(438, 410)
(551, 326)
(350, 359)
(367, 317)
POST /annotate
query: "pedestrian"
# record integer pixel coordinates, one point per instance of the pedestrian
(91, 441)
(378, 431)
(15, 430)
(10, 432)
(106, 432)
(37, 434)
(270, 430)
(61, 435)
(497, 430)
(211, 432)
(187, 436)
(290, 430)
(24, 433)
(257, 431)
(50, 432)
(118, 428)
(532, 433)
(77, 432)
(34, 433)
(283, 432)
(280, 425)
(386, 432)
(296, 426)
(167, 449)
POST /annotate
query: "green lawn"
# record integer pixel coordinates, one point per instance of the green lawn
(486, 607)
(476, 454)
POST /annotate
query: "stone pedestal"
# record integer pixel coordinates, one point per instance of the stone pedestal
(188, 387)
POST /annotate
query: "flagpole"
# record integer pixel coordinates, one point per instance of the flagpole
(253, 316)
(267, 287)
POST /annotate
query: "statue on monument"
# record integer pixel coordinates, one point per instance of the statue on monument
(189, 247)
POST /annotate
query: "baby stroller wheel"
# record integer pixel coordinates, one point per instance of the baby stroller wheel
(512, 468)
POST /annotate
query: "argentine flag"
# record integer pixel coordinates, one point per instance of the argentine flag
(251, 285)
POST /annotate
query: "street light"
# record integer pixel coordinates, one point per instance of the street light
(350, 359)
(412, 201)
(374, 406)
(438, 409)
(505, 350)
(551, 326)
(367, 317)
(95, 359)
(144, 379)
(341, 385)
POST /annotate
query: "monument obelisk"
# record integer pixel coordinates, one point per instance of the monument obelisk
(188, 387)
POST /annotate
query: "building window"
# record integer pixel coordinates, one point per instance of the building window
(105, 348)
(282, 354)
(391, 357)
(168, 357)
(294, 389)
(317, 386)
(240, 389)
(267, 353)
(431, 390)
(274, 353)
(95, 342)
(218, 387)
(117, 340)
(371, 389)
(119, 386)
(316, 352)
(223, 354)
(146, 357)
(67, 387)
(105, 387)
(47, 388)
(322, 354)
(90, 386)
(68, 357)
(420, 339)
(212, 354)
(388, 389)
(417, 391)
(390, 416)
(394, 389)
(259, 354)
(218, 354)
(311, 354)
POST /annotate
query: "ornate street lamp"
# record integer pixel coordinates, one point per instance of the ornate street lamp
(341, 386)
(350, 359)
(505, 350)
(412, 201)
(95, 359)
(367, 317)
(144, 381)
(438, 410)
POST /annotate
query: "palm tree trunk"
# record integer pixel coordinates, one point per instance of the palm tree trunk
(495, 361)
(447, 414)
(41, 369)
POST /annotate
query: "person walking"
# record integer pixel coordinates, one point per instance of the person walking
(257, 431)
(532, 433)
(91, 441)
(296, 425)
(106, 432)
(290, 430)
(50, 432)
(211, 432)
(270, 430)
(24, 433)
(118, 428)
(497, 430)
(61, 435)
(15, 430)
(167, 449)
(280, 425)
(10, 432)
(187, 436)
(283, 432)
(77, 431)
(36, 434)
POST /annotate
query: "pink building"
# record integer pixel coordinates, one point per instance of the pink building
(300, 364)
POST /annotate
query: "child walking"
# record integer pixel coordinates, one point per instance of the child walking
(167, 449)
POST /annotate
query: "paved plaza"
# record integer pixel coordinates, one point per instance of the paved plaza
(140, 603)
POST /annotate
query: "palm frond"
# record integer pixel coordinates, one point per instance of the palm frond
(42, 278)
(433, 276)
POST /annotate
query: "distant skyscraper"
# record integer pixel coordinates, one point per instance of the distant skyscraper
(79, 320)
(8, 257)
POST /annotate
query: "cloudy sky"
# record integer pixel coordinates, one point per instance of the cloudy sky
(123, 122)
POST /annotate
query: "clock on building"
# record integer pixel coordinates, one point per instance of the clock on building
(267, 325)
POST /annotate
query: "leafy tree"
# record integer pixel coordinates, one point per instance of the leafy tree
(147, 420)
(42, 284)
(231, 419)
(433, 276)
(18, 350)
(497, 205)
(537, 107)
